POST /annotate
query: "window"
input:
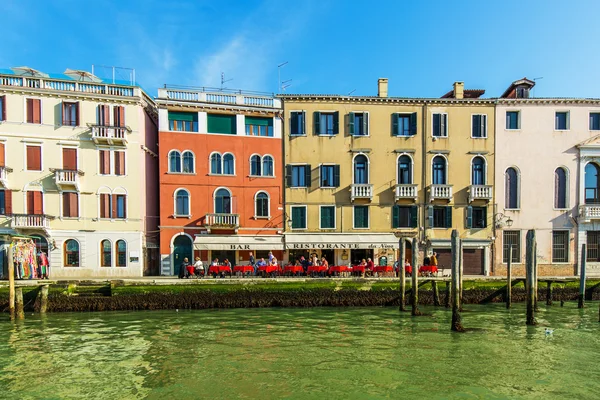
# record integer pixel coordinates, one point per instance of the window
(261, 209)
(326, 123)
(358, 124)
(182, 203)
(478, 171)
(119, 157)
(259, 126)
(513, 120)
(476, 217)
(35, 202)
(594, 121)
(119, 116)
(34, 158)
(220, 123)
(361, 169)
(440, 125)
(404, 170)
(511, 188)
(70, 114)
(255, 164)
(113, 206)
(560, 188)
(361, 217)
(592, 184)
(330, 176)
(228, 164)
(404, 124)
(222, 201)
(327, 217)
(297, 176)
(522, 92)
(71, 253)
(183, 121)
(70, 203)
(267, 166)
(561, 121)
(120, 203)
(297, 123)
(404, 216)
(479, 126)
(118, 162)
(104, 162)
(593, 246)
(106, 251)
(215, 164)
(121, 253)
(298, 217)
(439, 217)
(5, 202)
(2, 155)
(560, 246)
(174, 161)
(2, 108)
(511, 238)
(34, 111)
(439, 170)
(69, 156)
(103, 115)
(188, 162)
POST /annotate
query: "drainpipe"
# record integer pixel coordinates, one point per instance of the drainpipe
(424, 173)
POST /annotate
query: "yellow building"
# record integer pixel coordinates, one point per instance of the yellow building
(78, 170)
(362, 172)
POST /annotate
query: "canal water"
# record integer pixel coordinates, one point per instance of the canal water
(320, 353)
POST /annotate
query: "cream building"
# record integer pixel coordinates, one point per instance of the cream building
(78, 170)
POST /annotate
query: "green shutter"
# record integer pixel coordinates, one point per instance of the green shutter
(430, 216)
(336, 123)
(366, 123)
(303, 123)
(299, 217)
(261, 121)
(469, 212)
(183, 116)
(293, 123)
(395, 124)
(307, 176)
(336, 175)
(436, 125)
(327, 217)
(448, 217)
(317, 123)
(444, 124)
(476, 130)
(218, 123)
(414, 215)
(395, 216)
(413, 123)
(351, 120)
(288, 176)
(484, 209)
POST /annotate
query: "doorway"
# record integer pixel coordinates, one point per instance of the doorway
(182, 248)
(224, 254)
(359, 254)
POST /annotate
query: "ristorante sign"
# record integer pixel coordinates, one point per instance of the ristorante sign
(341, 246)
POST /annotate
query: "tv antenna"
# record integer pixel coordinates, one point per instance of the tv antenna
(223, 80)
(352, 91)
(285, 85)
(536, 79)
(279, 87)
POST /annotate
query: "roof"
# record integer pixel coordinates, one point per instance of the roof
(377, 99)
(63, 77)
(468, 94)
(520, 82)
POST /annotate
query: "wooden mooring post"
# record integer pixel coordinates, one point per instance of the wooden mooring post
(530, 277)
(448, 293)
(44, 299)
(460, 272)
(548, 293)
(19, 303)
(508, 277)
(414, 292)
(535, 277)
(11, 284)
(456, 318)
(436, 293)
(402, 273)
(581, 302)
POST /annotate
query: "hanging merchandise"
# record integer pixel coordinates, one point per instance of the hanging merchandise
(25, 259)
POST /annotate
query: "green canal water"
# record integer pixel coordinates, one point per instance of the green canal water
(321, 353)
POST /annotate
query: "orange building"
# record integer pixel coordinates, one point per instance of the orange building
(221, 192)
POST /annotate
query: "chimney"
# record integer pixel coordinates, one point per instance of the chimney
(382, 88)
(459, 90)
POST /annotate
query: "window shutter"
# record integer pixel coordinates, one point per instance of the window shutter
(294, 123)
(413, 124)
(104, 205)
(508, 124)
(395, 216)
(77, 114)
(37, 111)
(7, 202)
(105, 162)
(119, 116)
(317, 122)
(3, 101)
(73, 203)
(430, 216)
(119, 163)
(395, 124)
(34, 158)
(113, 211)
(124, 206)
(66, 207)
(336, 175)
(448, 217)
(469, 221)
(484, 126)
(106, 116)
(414, 214)
(444, 125)
(29, 106)
(307, 175)
(350, 123)
(336, 123)
(34, 202)
(436, 125)
(63, 105)
(2, 155)
(484, 209)
(69, 159)
(288, 176)
(366, 123)
(476, 126)
(303, 123)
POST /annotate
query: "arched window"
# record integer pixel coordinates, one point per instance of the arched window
(215, 164)
(478, 171)
(182, 202)
(512, 188)
(404, 170)
(361, 169)
(174, 161)
(188, 162)
(560, 188)
(71, 253)
(228, 164)
(592, 174)
(267, 166)
(106, 251)
(255, 165)
(439, 171)
(262, 205)
(121, 253)
(223, 201)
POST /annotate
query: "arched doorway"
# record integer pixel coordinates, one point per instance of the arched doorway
(182, 248)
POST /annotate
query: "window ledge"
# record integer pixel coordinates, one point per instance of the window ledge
(440, 228)
(180, 173)
(182, 216)
(561, 130)
(328, 229)
(262, 176)
(326, 134)
(298, 229)
(297, 187)
(512, 209)
(360, 136)
(211, 174)
(481, 137)
(298, 135)
(404, 136)
(513, 130)
(439, 137)
(561, 209)
(267, 217)
(360, 229)
(328, 187)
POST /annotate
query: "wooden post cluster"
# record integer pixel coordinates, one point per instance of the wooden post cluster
(530, 285)
(402, 273)
(509, 277)
(436, 293)
(460, 272)
(415, 281)
(581, 302)
(44, 299)
(19, 303)
(548, 293)
(456, 318)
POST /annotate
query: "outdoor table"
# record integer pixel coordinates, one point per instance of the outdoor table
(359, 268)
(428, 270)
(293, 269)
(268, 269)
(243, 269)
(218, 269)
(384, 268)
(316, 269)
(408, 269)
(339, 269)
(190, 269)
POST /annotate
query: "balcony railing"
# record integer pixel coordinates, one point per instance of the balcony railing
(440, 192)
(480, 192)
(361, 191)
(68, 86)
(67, 177)
(30, 221)
(109, 134)
(226, 221)
(406, 191)
(215, 95)
(590, 212)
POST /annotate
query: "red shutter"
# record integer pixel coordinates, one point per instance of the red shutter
(30, 111)
(119, 163)
(38, 203)
(124, 206)
(66, 206)
(114, 206)
(119, 116)
(7, 202)
(104, 206)
(30, 202)
(3, 100)
(37, 111)
(103, 115)
(34, 158)
(73, 205)
(104, 162)
(64, 114)
(77, 114)
(2, 156)
(70, 159)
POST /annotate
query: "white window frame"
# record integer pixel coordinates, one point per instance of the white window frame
(368, 168)
(169, 161)
(250, 165)
(256, 216)
(193, 162)
(447, 125)
(354, 135)
(303, 112)
(520, 246)
(518, 188)
(39, 144)
(33, 187)
(111, 161)
(589, 116)
(447, 172)
(175, 215)
(485, 166)
(368, 217)
(214, 198)
(116, 253)
(307, 183)
(41, 110)
(320, 180)
(332, 112)
(234, 168)
(334, 216)
(485, 134)
(262, 169)
(518, 120)
(567, 183)
(568, 249)
(71, 146)
(60, 205)
(119, 190)
(305, 217)
(412, 168)
(210, 164)
(112, 257)
(568, 127)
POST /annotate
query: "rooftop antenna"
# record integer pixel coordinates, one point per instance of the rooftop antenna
(352, 91)
(285, 85)
(279, 87)
(536, 79)
(223, 80)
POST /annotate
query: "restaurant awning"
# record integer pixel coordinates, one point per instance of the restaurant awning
(298, 241)
(238, 242)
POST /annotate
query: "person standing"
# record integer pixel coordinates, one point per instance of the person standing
(434, 260)
(183, 272)
(252, 262)
(370, 266)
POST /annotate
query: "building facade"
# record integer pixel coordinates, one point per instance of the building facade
(78, 165)
(220, 176)
(362, 172)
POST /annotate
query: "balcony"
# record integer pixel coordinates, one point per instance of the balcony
(112, 135)
(480, 192)
(67, 179)
(222, 221)
(218, 96)
(404, 191)
(28, 221)
(440, 192)
(4, 176)
(589, 212)
(69, 85)
(361, 191)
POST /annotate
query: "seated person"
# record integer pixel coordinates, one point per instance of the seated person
(261, 262)
(198, 267)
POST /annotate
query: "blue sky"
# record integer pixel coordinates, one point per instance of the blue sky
(331, 46)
